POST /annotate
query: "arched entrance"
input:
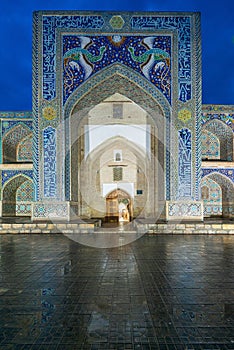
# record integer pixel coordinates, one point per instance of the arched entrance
(117, 102)
(118, 207)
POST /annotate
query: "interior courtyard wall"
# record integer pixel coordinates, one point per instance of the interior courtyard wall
(155, 121)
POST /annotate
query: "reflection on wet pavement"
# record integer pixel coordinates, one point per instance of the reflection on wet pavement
(160, 292)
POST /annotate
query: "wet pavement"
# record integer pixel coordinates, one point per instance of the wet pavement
(159, 292)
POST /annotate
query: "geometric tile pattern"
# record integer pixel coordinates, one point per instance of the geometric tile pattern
(24, 149)
(211, 194)
(25, 191)
(218, 112)
(225, 136)
(7, 125)
(18, 189)
(210, 145)
(50, 210)
(11, 139)
(24, 198)
(227, 187)
(9, 174)
(16, 115)
(184, 209)
(116, 22)
(227, 172)
(23, 209)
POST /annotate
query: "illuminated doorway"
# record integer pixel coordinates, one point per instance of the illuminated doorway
(118, 207)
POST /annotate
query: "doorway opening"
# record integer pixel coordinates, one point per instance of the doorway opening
(118, 207)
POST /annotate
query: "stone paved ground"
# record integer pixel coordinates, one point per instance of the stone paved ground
(160, 292)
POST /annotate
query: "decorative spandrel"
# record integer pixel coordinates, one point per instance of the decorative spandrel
(50, 24)
(183, 27)
(83, 56)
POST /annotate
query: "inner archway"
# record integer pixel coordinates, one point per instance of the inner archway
(118, 104)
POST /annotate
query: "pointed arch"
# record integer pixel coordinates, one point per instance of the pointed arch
(115, 75)
(13, 205)
(118, 206)
(11, 141)
(96, 176)
(222, 188)
(210, 145)
(135, 87)
(225, 136)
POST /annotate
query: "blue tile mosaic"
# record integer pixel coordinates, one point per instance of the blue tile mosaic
(8, 174)
(228, 172)
(185, 164)
(49, 149)
(183, 26)
(83, 56)
(50, 24)
(7, 125)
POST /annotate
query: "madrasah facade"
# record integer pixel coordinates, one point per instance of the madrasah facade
(117, 130)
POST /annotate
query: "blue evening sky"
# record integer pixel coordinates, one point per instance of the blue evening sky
(16, 43)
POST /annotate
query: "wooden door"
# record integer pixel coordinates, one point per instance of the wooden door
(112, 207)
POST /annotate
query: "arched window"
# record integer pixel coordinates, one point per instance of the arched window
(117, 155)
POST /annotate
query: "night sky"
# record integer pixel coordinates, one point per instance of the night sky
(16, 43)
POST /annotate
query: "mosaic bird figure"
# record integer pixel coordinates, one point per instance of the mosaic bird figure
(150, 57)
(76, 52)
(157, 53)
(83, 56)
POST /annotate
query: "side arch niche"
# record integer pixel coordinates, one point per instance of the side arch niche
(218, 139)
(17, 196)
(218, 195)
(210, 146)
(13, 144)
